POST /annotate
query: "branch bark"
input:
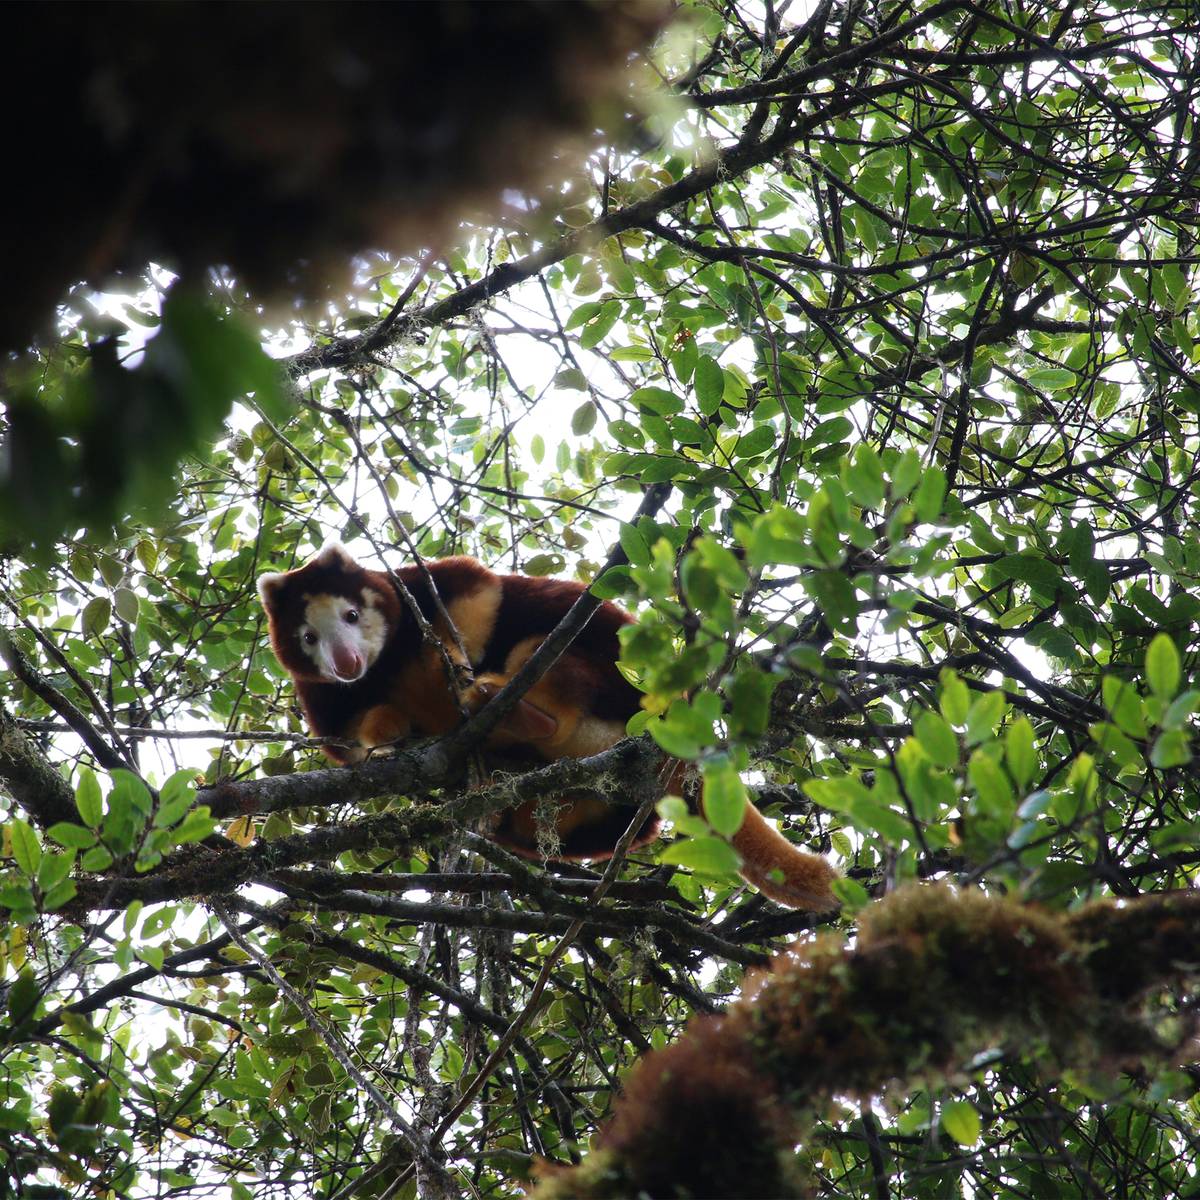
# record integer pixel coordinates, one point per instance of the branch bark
(30, 779)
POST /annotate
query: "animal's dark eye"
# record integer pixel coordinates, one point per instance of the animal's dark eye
(310, 638)
(352, 617)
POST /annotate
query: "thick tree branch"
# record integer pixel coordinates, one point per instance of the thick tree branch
(30, 779)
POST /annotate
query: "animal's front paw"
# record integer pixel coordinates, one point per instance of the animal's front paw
(525, 723)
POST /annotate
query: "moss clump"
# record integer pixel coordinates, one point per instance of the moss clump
(932, 969)
(1165, 929)
(696, 1120)
(936, 977)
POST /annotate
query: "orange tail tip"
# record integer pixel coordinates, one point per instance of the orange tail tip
(780, 870)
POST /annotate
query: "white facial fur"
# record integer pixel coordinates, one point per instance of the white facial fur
(349, 637)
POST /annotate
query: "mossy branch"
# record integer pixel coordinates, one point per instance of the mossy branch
(934, 978)
(27, 776)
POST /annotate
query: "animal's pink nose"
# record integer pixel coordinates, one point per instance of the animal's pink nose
(347, 661)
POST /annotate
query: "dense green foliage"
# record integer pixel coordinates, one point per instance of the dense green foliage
(896, 305)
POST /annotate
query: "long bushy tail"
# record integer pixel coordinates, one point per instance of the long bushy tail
(780, 870)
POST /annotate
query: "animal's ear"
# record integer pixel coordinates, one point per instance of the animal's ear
(334, 554)
(269, 585)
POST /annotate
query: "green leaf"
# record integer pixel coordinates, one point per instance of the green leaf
(26, 848)
(750, 702)
(961, 1121)
(152, 956)
(196, 826)
(906, 473)
(88, 799)
(1083, 549)
(67, 834)
(704, 855)
(17, 895)
(930, 494)
(1147, 603)
(1179, 835)
(1034, 805)
(1052, 379)
(991, 786)
(872, 816)
(955, 700)
(687, 728)
(24, 997)
(583, 314)
(937, 739)
(99, 858)
(757, 441)
(544, 564)
(319, 1114)
(97, 614)
(175, 797)
(984, 715)
(129, 794)
(598, 329)
(571, 378)
(1124, 705)
(851, 893)
(125, 601)
(709, 383)
(673, 808)
(839, 793)
(1170, 749)
(837, 598)
(724, 796)
(634, 545)
(1162, 667)
(147, 551)
(54, 869)
(583, 419)
(864, 477)
(1019, 751)
(1096, 582)
(1180, 709)
(319, 1074)
(658, 401)
(627, 434)
(112, 570)
(1030, 568)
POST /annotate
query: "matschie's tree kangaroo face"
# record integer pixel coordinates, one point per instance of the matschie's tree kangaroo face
(329, 623)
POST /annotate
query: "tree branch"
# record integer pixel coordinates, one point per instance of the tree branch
(30, 779)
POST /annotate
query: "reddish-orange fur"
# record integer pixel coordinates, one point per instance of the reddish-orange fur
(579, 707)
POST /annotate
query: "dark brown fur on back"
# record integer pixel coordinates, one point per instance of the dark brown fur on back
(532, 607)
